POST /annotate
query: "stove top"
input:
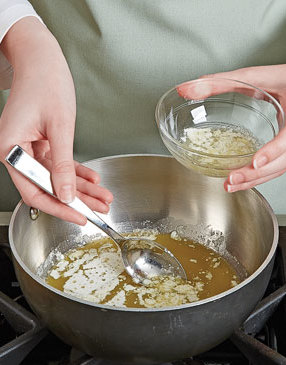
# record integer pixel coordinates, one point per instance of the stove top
(24, 340)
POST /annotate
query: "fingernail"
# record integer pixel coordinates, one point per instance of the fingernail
(105, 210)
(181, 90)
(236, 178)
(230, 189)
(109, 199)
(66, 194)
(259, 162)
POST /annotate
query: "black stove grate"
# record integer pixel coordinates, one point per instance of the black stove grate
(22, 328)
(23, 340)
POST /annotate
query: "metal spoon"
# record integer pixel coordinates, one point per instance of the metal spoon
(143, 259)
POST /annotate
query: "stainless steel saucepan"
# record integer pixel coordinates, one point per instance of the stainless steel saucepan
(152, 191)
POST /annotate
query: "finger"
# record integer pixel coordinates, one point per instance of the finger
(250, 184)
(264, 77)
(205, 87)
(60, 135)
(81, 170)
(93, 190)
(199, 89)
(37, 198)
(54, 207)
(270, 151)
(248, 173)
(268, 77)
(93, 203)
(87, 187)
(87, 173)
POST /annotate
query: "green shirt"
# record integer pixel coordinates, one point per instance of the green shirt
(124, 54)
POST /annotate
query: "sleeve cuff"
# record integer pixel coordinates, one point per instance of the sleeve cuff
(9, 15)
(14, 13)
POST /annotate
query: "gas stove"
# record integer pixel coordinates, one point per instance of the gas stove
(261, 340)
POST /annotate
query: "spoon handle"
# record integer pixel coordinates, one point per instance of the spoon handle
(40, 176)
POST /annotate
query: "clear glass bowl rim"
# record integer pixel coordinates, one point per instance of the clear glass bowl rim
(206, 79)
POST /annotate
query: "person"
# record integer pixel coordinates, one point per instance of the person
(41, 120)
(123, 55)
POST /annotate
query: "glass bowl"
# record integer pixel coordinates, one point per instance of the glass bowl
(220, 126)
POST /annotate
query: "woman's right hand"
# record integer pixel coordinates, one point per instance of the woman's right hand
(40, 117)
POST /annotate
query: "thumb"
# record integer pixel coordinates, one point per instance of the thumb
(267, 78)
(63, 168)
(215, 84)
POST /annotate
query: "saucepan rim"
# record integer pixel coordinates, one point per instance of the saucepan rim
(105, 307)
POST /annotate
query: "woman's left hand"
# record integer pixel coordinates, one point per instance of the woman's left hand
(270, 161)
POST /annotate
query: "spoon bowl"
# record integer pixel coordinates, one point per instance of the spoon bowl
(145, 259)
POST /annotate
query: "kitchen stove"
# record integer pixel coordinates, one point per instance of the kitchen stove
(24, 340)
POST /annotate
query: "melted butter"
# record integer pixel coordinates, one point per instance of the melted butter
(95, 272)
